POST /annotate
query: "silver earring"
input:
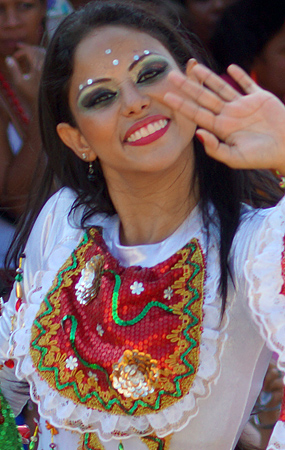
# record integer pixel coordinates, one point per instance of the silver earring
(90, 175)
(84, 156)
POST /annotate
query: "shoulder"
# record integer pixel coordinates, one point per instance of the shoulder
(258, 231)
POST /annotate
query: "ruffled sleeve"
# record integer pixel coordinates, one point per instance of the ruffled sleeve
(44, 236)
(263, 271)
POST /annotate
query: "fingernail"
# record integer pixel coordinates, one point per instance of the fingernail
(200, 138)
(9, 61)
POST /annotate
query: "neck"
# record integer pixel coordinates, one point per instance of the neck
(152, 206)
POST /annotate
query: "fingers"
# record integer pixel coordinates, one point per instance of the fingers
(243, 79)
(197, 92)
(215, 83)
(14, 69)
(201, 116)
(217, 149)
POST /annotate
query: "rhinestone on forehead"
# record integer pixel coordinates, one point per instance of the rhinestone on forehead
(115, 62)
(146, 52)
(88, 82)
(136, 57)
(108, 51)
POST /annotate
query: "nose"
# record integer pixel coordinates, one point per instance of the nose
(12, 18)
(134, 100)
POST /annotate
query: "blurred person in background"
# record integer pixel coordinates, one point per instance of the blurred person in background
(252, 35)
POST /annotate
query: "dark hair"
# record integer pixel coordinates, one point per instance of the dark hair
(244, 30)
(218, 184)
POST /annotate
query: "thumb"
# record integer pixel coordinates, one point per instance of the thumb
(216, 149)
(14, 69)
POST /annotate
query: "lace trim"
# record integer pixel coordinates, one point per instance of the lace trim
(64, 413)
(265, 282)
(277, 440)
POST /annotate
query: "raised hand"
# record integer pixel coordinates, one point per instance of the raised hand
(25, 68)
(242, 131)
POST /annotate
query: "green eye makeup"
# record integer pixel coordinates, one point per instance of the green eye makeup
(145, 69)
(96, 95)
(150, 69)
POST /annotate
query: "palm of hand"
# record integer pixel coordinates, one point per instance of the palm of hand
(242, 131)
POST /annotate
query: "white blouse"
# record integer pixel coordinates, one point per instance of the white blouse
(234, 354)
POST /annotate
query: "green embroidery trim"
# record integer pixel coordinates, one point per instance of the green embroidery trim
(144, 312)
(187, 311)
(158, 441)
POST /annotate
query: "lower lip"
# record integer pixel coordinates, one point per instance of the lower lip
(150, 138)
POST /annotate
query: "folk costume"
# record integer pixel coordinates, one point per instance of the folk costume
(124, 347)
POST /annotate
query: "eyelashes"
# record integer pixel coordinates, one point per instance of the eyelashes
(94, 97)
(152, 72)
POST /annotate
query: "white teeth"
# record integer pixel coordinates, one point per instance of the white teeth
(147, 130)
(150, 128)
(144, 132)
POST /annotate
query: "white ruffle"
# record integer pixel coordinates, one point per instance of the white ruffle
(263, 273)
(277, 439)
(62, 412)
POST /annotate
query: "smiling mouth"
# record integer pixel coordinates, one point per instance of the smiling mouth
(148, 130)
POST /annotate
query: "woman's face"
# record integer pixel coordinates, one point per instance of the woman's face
(116, 98)
(269, 66)
(204, 15)
(20, 22)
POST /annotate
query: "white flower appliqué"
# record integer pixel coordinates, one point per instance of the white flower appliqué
(168, 293)
(92, 375)
(71, 363)
(137, 288)
(100, 330)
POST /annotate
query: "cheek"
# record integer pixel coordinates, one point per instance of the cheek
(97, 128)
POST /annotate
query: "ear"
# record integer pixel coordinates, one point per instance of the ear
(189, 69)
(72, 138)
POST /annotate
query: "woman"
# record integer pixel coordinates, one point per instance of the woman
(158, 318)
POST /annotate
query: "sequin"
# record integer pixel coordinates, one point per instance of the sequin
(115, 62)
(87, 287)
(135, 376)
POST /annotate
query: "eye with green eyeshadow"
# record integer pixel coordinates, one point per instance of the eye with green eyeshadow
(151, 69)
(96, 96)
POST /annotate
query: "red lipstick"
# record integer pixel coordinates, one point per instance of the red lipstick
(162, 121)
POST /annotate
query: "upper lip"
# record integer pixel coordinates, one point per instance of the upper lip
(143, 123)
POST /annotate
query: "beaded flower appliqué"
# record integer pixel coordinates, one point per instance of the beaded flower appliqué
(135, 375)
(88, 284)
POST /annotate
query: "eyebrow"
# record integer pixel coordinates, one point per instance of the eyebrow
(134, 63)
(99, 80)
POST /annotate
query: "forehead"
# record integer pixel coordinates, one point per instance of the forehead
(104, 45)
